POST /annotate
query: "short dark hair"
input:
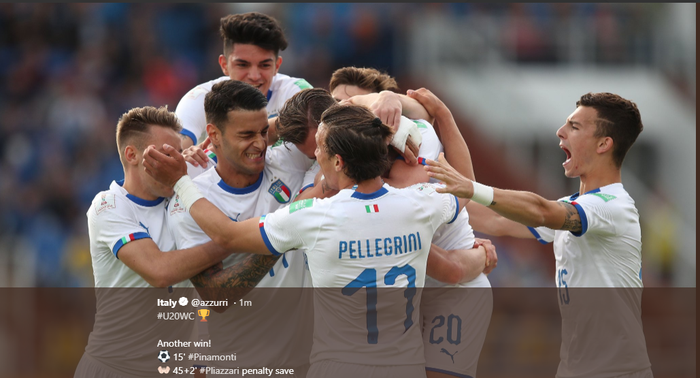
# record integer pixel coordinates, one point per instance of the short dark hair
(360, 138)
(231, 95)
(619, 119)
(368, 79)
(252, 28)
(302, 112)
(134, 125)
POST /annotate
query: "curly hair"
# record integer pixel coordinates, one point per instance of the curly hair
(252, 28)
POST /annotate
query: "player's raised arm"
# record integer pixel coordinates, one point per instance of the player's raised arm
(456, 149)
(527, 208)
(171, 170)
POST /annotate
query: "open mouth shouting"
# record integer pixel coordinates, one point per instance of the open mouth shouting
(568, 155)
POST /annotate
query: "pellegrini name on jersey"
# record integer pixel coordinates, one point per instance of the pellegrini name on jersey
(396, 245)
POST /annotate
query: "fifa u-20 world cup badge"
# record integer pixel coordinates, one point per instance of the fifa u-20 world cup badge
(280, 191)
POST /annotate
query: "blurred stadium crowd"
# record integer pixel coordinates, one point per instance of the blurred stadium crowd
(70, 70)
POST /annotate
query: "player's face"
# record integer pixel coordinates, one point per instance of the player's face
(344, 92)
(577, 140)
(308, 147)
(251, 64)
(159, 136)
(324, 159)
(244, 142)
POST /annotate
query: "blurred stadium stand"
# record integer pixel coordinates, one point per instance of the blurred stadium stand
(511, 73)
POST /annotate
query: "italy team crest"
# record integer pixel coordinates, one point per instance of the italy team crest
(280, 191)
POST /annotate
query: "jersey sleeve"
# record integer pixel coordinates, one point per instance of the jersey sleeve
(282, 230)
(190, 112)
(543, 235)
(456, 235)
(431, 147)
(184, 229)
(597, 213)
(287, 156)
(445, 206)
(296, 85)
(113, 223)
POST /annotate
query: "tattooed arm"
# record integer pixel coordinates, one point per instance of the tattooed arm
(533, 210)
(234, 282)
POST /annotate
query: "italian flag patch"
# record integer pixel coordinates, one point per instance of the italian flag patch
(128, 238)
(261, 222)
(372, 208)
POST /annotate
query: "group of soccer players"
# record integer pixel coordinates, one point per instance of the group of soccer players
(295, 190)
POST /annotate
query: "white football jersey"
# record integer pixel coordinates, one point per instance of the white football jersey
(358, 241)
(116, 218)
(126, 319)
(190, 109)
(608, 251)
(599, 283)
(456, 235)
(239, 327)
(280, 180)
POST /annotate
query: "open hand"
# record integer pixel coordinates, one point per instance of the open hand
(454, 182)
(166, 167)
(432, 104)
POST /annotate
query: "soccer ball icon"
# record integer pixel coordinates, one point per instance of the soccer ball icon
(163, 356)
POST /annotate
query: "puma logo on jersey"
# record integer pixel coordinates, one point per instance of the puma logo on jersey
(452, 356)
(145, 228)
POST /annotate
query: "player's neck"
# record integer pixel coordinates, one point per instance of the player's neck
(599, 179)
(233, 178)
(134, 186)
(370, 186)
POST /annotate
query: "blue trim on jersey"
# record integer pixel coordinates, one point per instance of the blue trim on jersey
(267, 242)
(584, 220)
(269, 95)
(448, 372)
(306, 187)
(120, 243)
(190, 135)
(537, 235)
(456, 210)
(246, 190)
(576, 195)
(216, 159)
(143, 202)
(140, 201)
(368, 196)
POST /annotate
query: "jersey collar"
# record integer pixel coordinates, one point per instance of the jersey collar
(576, 195)
(369, 196)
(248, 189)
(140, 201)
(269, 94)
